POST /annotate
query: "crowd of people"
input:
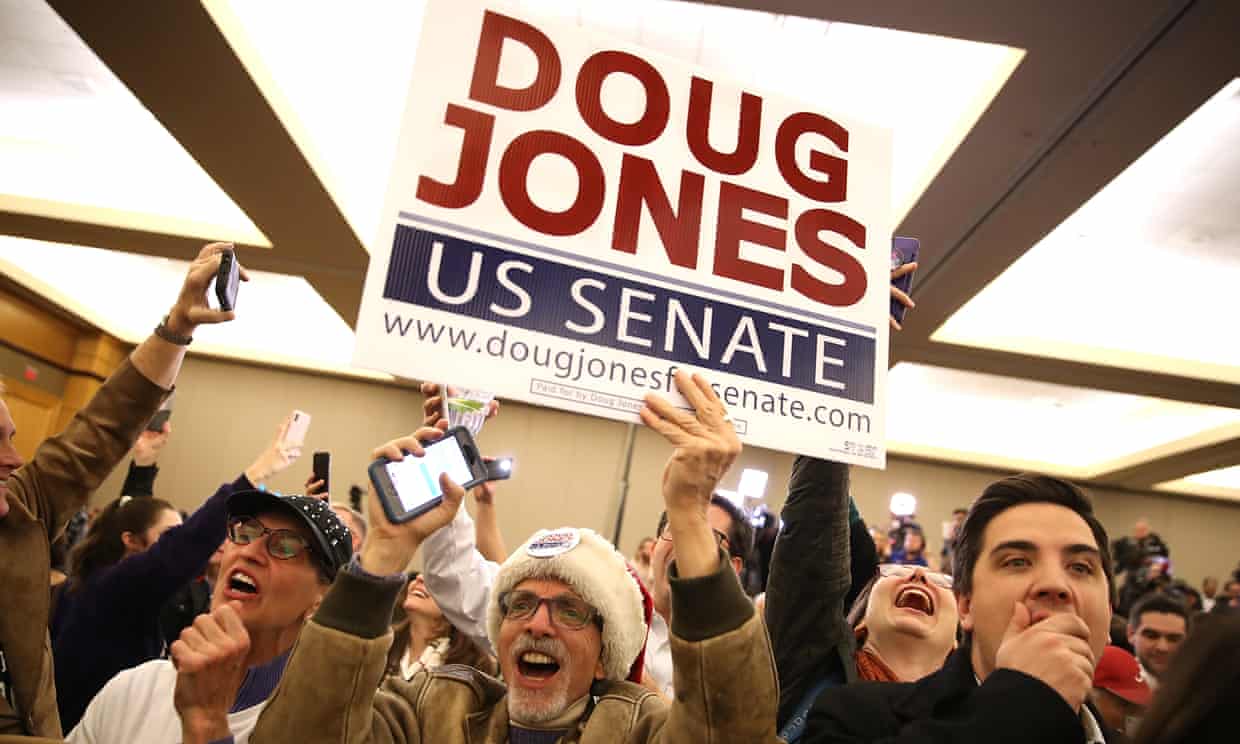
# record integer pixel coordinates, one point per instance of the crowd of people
(264, 617)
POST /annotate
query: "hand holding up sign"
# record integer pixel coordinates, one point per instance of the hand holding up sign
(706, 445)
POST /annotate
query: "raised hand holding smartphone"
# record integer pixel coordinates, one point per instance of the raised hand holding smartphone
(410, 487)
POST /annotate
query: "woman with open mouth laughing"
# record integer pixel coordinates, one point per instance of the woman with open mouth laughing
(424, 639)
(902, 625)
(905, 622)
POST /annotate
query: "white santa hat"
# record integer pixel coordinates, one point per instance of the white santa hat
(596, 572)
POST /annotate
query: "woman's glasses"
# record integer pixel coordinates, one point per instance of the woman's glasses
(282, 544)
(903, 572)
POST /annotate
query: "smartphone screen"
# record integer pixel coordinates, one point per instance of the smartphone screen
(416, 479)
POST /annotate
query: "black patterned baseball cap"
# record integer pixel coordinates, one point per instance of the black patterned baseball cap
(332, 543)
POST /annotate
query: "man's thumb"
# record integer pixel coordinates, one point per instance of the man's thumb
(452, 493)
(1021, 619)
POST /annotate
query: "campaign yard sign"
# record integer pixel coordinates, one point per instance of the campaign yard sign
(571, 218)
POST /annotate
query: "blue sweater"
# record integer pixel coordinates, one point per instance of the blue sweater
(111, 622)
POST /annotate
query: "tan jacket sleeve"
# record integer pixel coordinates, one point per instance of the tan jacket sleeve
(330, 690)
(726, 688)
(67, 468)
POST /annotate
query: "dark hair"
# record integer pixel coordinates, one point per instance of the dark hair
(740, 534)
(102, 546)
(461, 648)
(1156, 602)
(1201, 688)
(856, 613)
(1026, 488)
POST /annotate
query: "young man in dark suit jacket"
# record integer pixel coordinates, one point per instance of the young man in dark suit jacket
(1033, 582)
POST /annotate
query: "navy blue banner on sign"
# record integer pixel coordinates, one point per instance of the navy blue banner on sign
(482, 281)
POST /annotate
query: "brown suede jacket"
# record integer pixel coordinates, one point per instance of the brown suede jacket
(43, 494)
(726, 691)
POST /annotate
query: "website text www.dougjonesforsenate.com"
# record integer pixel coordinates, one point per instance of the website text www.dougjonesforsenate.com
(576, 365)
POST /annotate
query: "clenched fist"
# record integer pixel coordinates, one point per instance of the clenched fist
(210, 659)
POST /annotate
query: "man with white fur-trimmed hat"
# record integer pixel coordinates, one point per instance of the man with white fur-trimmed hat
(567, 622)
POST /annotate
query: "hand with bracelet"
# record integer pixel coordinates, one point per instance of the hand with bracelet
(191, 308)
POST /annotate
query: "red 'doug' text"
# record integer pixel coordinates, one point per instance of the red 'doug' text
(639, 187)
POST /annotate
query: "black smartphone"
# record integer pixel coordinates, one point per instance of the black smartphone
(159, 419)
(228, 280)
(161, 416)
(323, 469)
(499, 469)
(903, 251)
(411, 486)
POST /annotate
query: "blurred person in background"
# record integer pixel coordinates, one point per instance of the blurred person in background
(1200, 693)
(354, 520)
(1157, 626)
(1209, 591)
(424, 639)
(1120, 692)
(641, 558)
(948, 554)
(912, 552)
(1188, 596)
(1131, 551)
(351, 516)
(38, 498)
(1143, 559)
(1153, 577)
(1229, 601)
(136, 556)
(733, 533)
(766, 530)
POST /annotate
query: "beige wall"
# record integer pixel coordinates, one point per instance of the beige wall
(569, 467)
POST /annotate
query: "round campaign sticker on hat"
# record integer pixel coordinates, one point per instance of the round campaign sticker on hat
(554, 543)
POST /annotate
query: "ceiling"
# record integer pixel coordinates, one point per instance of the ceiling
(1069, 168)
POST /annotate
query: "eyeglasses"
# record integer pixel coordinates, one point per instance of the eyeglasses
(281, 543)
(720, 538)
(898, 571)
(566, 611)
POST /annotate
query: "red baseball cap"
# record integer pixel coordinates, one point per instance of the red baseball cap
(1119, 673)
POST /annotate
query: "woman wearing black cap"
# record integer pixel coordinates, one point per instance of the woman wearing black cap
(281, 555)
(107, 620)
